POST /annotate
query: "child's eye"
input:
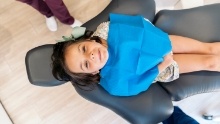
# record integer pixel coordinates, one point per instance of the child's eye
(84, 49)
(87, 64)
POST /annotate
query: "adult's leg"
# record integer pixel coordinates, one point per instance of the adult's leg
(187, 45)
(179, 117)
(60, 11)
(40, 6)
(196, 62)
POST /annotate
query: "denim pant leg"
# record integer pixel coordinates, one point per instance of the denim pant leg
(179, 117)
(60, 11)
(40, 6)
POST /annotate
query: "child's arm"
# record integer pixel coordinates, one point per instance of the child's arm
(168, 60)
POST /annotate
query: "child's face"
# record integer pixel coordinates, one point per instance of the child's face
(86, 57)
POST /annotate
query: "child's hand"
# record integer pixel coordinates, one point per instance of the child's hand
(168, 60)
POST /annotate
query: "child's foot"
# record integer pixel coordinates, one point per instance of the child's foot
(76, 23)
(51, 23)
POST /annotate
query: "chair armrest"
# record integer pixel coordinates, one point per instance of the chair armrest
(201, 23)
(145, 8)
(192, 84)
(149, 107)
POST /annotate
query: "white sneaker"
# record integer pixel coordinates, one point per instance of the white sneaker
(51, 23)
(76, 23)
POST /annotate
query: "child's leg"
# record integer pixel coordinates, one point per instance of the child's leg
(40, 6)
(60, 11)
(196, 62)
(187, 45)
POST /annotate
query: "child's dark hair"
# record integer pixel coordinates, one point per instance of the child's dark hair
(60, 70)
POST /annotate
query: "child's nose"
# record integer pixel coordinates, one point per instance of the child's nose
(92, 56)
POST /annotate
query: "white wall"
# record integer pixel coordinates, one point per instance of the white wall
(181, 4)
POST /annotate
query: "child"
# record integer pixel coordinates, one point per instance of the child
(128, 53)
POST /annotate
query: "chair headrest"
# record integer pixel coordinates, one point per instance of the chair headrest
(38, 66)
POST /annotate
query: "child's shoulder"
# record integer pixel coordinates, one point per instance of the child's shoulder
(102, 30)
(103, 25)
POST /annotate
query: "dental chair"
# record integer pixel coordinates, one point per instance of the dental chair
(155, 104)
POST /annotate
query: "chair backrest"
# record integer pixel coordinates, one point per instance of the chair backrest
(145, 8)
(38, 66)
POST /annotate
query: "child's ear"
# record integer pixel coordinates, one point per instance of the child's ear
(96, 72)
